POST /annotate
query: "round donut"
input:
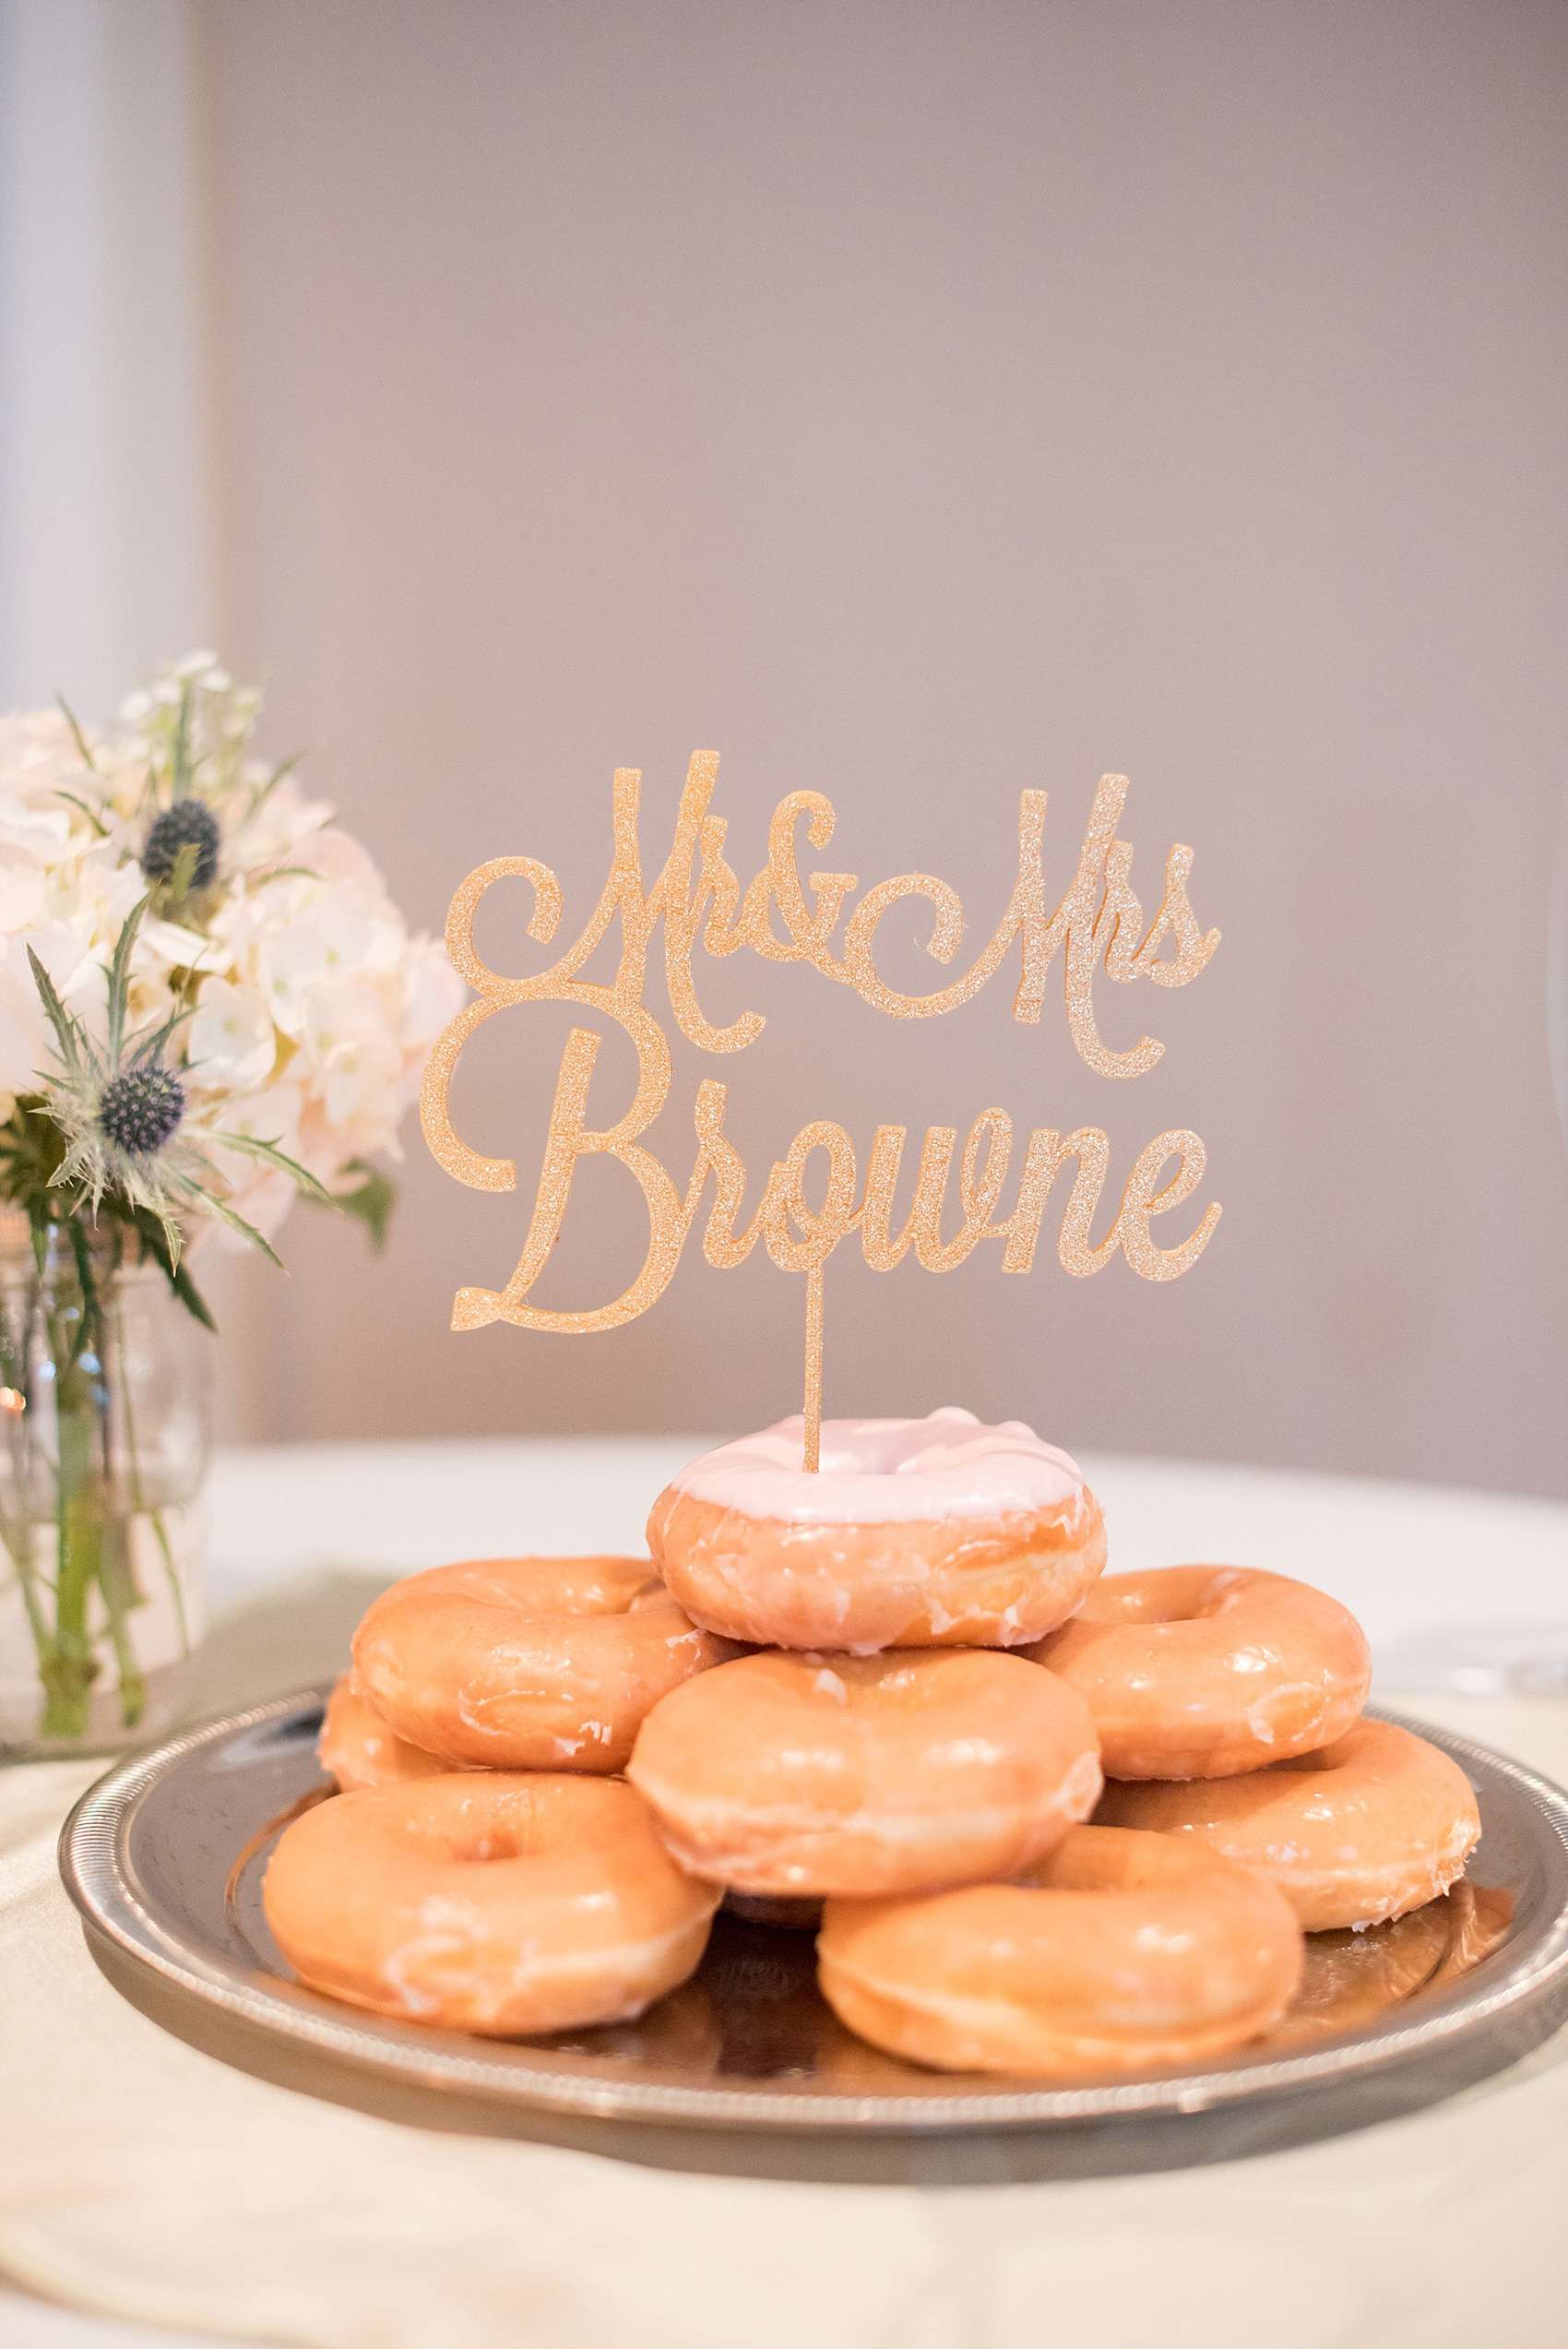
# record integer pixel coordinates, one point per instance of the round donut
(809, 1774)
(1203, 1670)
(357, 1748)
(527, 1664)
(1117, 1952)
(914, 1534)
(1360, 1830)
(486, 1902)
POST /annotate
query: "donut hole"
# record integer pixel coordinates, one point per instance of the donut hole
(910, 1680)
(457, 1825)
(510, 1841)
(652, 1594)
(1362, 1741)
(1170, 1594)
(471, 1843)
(1324, 1757)
(547, 1586)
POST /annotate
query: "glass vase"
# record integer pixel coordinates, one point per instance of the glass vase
(105, 1441)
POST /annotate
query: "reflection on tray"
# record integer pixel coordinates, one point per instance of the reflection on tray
(753, 2009)
(753, 2012)
(1350, 1979)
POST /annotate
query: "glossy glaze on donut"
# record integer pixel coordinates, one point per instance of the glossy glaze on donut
(527, 1663)
(358, 1748)
(915, 1533)
(1206, 1671)
(802, 1775)
(1117, 1952)
(487, 1902)
(1363, 1830)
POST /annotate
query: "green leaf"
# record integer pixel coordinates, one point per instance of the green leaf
(371, 1202)
(90, 1327)
(212, 1204)
(67, 1028)
(31, 1150)
(248, 1143)
(182, 744)
(260, 797)
(93, 818)
(150, 1228)
(147, 1047)
(119, 976)
(82, 1166)
(184, 873)
(81, 741)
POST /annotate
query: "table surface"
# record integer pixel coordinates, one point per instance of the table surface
(1408, 1559)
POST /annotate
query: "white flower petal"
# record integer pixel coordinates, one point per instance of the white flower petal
(230, 1041)
(22, 880)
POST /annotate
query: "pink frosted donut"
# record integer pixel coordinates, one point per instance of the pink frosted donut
(915, 1533)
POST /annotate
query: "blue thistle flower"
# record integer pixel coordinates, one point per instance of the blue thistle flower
(190, 823)
(123, 1114)
(140, 1108)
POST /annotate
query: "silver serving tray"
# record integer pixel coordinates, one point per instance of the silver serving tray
(164, 1858)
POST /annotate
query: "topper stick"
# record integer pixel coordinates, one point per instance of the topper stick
(814, 1370)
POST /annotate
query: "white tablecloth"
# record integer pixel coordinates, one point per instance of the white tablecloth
(1441, 2228)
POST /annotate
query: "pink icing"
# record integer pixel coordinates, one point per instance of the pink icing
(878, 1471)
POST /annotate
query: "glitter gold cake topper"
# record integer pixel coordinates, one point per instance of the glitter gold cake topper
(1097, 924)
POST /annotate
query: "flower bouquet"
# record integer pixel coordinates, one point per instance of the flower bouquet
(208, 1007)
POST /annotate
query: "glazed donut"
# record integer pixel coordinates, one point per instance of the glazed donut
(810, 1774)
(915, 1533)
(486, 1902)
(357, 1748)
(1377, 1823)
(1117, 1952)
(527, 1664)
(1203, 1670)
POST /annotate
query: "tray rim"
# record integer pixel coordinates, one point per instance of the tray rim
(1508, 1987)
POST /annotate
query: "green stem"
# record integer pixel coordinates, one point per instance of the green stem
(18, 1541)
(15, 1534)
(69, 1671)
(120, 1594)
(94, 1528)
(138, 1498)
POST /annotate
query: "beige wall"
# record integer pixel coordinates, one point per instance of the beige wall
(918, 404)
(106, 403)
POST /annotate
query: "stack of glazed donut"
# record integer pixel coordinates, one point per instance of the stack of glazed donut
(1041, 1823)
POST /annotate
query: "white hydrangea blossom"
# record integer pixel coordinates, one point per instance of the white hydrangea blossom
(313, 1009)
